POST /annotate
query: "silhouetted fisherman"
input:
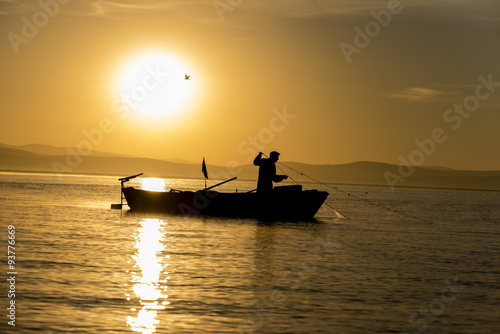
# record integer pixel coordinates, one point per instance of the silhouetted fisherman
(267, 172)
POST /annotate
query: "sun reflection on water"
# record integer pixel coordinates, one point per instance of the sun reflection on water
(148, 281)
(153, 184)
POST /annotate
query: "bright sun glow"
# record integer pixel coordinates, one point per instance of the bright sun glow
(154, 85)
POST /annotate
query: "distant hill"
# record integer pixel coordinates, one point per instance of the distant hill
(54, 150)
(44, 158)
(366, 172)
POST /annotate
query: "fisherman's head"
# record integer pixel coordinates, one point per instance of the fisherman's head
(274, 156)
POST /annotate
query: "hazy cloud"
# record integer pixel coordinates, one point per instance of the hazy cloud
(100, 7)
(110, 5)
(466, 9)
(10, 6)
(420, 94)
(104, 8)
(446, 9)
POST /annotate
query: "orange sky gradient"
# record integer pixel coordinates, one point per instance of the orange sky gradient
(322, 82)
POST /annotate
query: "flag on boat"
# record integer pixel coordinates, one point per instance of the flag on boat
(204, 168)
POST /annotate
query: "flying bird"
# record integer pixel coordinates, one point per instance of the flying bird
(186, 77)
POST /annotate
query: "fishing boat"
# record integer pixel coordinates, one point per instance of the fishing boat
(283, 203)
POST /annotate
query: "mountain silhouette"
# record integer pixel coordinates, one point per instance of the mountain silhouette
(13, 158)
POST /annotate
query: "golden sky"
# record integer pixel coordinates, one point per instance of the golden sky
(322, 82)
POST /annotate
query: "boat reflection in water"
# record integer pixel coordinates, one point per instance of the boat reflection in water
(149, 281)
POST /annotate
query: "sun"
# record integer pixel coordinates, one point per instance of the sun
(156, 85)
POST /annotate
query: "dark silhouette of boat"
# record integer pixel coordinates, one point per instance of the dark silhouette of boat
(283, 203)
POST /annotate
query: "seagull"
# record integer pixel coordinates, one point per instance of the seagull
(186, 77)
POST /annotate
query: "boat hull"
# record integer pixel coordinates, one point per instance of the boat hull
(289, 204)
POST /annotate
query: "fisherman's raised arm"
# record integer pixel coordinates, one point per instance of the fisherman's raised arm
(257, 159)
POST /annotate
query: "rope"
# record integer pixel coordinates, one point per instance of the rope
(291, 178)
(357, 197)
(338, 213)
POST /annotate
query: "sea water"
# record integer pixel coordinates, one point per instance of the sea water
(77, 266)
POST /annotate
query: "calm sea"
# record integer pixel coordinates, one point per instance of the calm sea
(81, 267)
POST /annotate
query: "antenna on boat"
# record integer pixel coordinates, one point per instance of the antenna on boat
(122, 181)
